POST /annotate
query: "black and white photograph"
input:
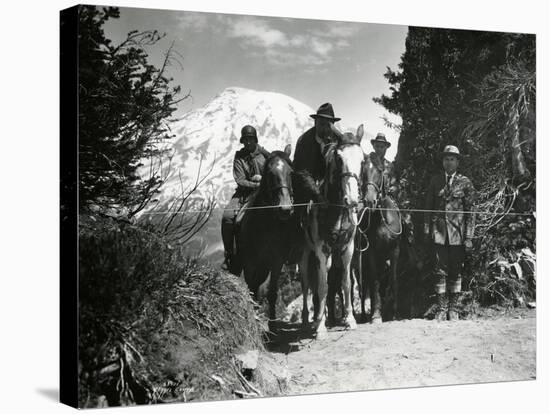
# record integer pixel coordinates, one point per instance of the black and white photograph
(285, 207)
(277, 206)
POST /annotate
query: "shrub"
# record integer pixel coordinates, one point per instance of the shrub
(155, 326)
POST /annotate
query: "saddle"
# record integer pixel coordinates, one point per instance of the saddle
(306, 211)
(234, 259)
(243, 208)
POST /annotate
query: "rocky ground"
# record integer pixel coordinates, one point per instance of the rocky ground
(409, 353)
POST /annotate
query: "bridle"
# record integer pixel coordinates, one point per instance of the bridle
(351, 175)
(377, 188)
(348, 174)
(272, 191)
(363, 233)
(379, 194)
(276, 189)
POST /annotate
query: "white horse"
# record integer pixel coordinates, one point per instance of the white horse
(330, 230)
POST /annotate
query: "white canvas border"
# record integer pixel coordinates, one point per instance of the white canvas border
(29, 305)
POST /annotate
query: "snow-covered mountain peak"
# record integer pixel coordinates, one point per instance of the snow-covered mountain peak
(208, 137)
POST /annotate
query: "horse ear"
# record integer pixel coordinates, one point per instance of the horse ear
(288, 150)
(360, 132)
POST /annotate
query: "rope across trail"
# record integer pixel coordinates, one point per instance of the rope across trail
(412, 210)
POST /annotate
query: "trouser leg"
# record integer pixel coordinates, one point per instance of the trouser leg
(228, 225)
(455, 263)
(441, 270)
(454, 283)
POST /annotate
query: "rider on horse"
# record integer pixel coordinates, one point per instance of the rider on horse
(390, 183)
(309, 166)
(309, 162)
(248, 165)
(378, 159)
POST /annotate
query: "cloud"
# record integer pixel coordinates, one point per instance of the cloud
(279, 47)
(194, 21)
(267, 38)
(337, 30)
(342, 43)
(340, 29)
(259, 33)
(286, 58)
(298, 40)
(321, 47)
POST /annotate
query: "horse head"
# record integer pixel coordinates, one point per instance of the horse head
(345, 164)
(372, 183)
(276, 184)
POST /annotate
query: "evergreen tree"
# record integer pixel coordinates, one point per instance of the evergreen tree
(475, 90)
(124, 109)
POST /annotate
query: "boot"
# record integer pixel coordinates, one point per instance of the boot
(453, 309)
(441, 313)
(226, 265)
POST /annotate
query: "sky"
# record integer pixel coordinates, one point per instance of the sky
(313, 61)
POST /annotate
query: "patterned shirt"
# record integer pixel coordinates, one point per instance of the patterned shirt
(385, 167)
(454, 224)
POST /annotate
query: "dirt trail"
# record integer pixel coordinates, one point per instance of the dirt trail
(409, 353)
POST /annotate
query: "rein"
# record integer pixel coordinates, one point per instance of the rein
(333, 148)
(379, 191)
(362, 233)
(388, 227)
(334, 178)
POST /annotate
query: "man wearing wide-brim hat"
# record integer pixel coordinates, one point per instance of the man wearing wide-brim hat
(388, 185)
(449, 223)
(309, 166)
(309, 162)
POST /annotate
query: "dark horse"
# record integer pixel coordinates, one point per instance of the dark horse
(263, 239)
(380, 230)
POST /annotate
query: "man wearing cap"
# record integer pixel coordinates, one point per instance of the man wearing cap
(248, 165)
(450, 225)
(385, 167)
(309, 162)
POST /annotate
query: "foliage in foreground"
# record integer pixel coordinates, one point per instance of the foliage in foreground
(155, 326)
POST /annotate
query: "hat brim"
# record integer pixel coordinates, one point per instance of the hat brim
(454, 154)
(373, 141)
(330, 118)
